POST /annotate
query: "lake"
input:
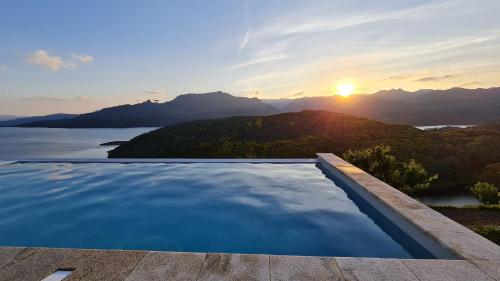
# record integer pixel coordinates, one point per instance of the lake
(456, 200)
(23, 143)
(443, 126)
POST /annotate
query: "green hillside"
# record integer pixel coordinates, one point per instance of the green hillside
(459, 156)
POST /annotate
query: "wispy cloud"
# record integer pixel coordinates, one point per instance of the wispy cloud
(55, 63)
(435, 78)
(294, 24)
(298, 94)
(155, 92)
(82, 58)
(253, 79)
(53, 99)
(473, 83)
(259, 60)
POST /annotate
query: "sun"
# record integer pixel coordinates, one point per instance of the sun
(345, 90)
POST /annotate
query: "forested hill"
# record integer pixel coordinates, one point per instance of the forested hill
(151, 114)
(459, 156)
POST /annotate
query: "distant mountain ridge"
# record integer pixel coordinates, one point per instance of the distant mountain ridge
(9, 117)
(183, 108)
(25, 120)
(455, 106)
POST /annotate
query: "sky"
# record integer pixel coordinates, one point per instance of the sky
(79, 56)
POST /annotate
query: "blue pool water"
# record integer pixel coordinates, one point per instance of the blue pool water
(200, 207)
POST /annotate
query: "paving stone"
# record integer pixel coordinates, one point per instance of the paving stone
(446, 270)
(369, 269)
(491, 267)
(235, 267)
(158, 266)
(105, 265)
(34, 264)
(469, 245)
(298, 268)
(8, 254)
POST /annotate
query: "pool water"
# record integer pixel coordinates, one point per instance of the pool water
(292, 209)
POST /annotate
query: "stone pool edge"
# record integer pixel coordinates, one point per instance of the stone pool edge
(480, 258)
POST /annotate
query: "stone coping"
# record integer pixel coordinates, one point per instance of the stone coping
(480, 257)
(34, 264)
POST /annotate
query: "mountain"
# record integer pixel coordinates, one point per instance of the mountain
(459, 156)
(9, 117)
(454, 106)
(149, 114)
(26, 120)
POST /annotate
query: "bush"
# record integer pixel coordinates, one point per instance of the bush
(409, 177)
(485, 192)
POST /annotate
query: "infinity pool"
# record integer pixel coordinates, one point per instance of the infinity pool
(291, 208)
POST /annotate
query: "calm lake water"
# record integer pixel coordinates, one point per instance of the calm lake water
(443, 126)
(457, 200)
(22, 143)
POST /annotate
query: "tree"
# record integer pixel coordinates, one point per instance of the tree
(486, 192)
(409, 177)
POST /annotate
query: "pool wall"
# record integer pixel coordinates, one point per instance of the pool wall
(440, 235)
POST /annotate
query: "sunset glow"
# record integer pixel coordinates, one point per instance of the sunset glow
(345, 90)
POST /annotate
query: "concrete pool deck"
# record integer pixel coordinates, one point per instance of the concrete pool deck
(478, 258)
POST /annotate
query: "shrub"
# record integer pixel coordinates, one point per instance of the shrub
(485, 192)
(409, 177)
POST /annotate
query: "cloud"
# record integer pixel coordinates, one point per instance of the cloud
(435, 78)
(259, 60)
(155, 92)
(396, 78)
(41, 57)
(3, 67)
(54, 99)
(82, 58)
(295, 24)
(298, 94)
(253, 79)
(55, 63)
(471, 84)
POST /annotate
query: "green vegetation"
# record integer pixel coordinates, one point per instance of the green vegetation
(409, 177)
(460, 157)
(486, 193)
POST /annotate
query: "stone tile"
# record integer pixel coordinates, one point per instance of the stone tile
(235, 267)
(491, 267)
(105, 265)
(158, 266)
(34, 264)
(298, 268)
(469, 245)
(7, 254)
(368, 269)
(446, 270)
